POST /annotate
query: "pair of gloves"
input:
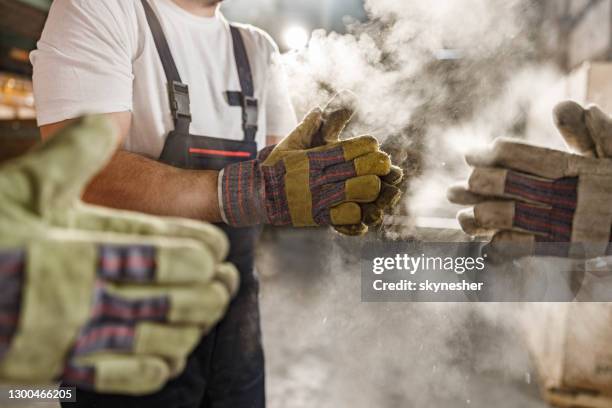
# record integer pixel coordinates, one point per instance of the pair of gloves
(537, 201)
(312, 178)
(114, 301)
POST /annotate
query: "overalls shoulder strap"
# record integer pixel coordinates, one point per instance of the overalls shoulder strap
(179, 91)
(246, 98)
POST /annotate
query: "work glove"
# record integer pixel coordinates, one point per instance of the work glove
(524, 195)
(106, 300)
(336, 116)
(295, 184)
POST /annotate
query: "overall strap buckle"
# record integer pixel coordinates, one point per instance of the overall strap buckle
(180, 104)
(250, 114)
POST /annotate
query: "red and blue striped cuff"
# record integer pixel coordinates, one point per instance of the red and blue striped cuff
(242, 198)
(112, 323)
(551, 207)
(127, 263)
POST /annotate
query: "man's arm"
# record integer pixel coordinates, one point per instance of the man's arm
(135, 183)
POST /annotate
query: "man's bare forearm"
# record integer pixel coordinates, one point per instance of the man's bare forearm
(135, 183)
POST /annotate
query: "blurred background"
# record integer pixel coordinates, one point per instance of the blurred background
(567, 33)
(435, 79)
(21, 23)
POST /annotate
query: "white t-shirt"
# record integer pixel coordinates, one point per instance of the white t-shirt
(98, 56)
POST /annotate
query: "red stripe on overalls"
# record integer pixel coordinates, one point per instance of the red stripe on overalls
(223, 153)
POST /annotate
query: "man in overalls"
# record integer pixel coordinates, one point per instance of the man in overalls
(196, 98)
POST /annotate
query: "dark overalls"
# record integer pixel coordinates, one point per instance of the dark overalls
(227, 368)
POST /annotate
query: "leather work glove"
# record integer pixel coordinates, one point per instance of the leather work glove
(106, 300)
(336, 116)
(525, 195)
(299, 185)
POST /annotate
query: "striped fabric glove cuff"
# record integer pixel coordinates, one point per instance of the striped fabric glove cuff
(225, 184)
(113, 320)
(548, 206)
(241, 194)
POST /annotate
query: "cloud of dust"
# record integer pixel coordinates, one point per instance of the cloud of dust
(328, 349)
(437, 78)
(523, 109)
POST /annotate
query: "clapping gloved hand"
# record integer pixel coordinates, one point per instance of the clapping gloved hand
(537, 201)
(336, 116)
(312, 178)
(106, 300)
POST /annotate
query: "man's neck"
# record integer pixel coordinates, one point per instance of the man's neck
(197, 8)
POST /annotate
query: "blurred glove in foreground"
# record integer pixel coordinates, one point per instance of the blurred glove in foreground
(537, 201)
(106, 300)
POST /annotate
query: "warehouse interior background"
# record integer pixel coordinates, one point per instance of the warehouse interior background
(434, 79)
